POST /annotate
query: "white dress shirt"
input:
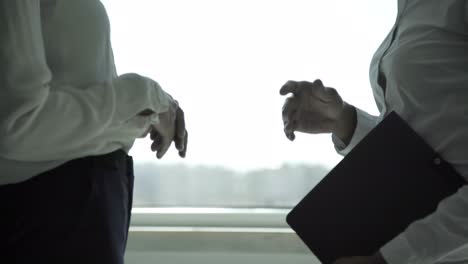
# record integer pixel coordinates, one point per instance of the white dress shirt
(60, 96)
(424, 78)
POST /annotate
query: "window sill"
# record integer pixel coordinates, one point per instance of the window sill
(251, 231)
(209, 218)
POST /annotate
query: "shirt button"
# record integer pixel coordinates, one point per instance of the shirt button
(437, 161)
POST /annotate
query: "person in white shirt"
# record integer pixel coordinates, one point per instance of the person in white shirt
(420, 72)
(67, 122)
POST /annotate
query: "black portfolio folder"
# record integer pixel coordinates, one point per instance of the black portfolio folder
(390, 179)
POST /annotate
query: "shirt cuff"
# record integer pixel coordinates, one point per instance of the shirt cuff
(364, 123)
(398, 251)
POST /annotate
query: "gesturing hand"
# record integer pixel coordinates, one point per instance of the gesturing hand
(312, 108)
(171, 127)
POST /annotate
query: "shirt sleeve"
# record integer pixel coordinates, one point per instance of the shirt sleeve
(39, 122)
(364, 124)
(435, 237)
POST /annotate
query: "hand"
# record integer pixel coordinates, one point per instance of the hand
(314, 108)
(171, 127)
(375, 259)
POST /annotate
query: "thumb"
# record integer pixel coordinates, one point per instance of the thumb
(290, 87)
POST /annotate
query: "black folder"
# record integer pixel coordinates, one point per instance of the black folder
(390, 179)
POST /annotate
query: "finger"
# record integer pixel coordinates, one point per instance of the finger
(318, 83)
(180, 143)
(318, 91)
(162, 148)
(157, 138)
(289, 87)
(298, 88)
(289, 129)
(289, 108)
(183, 152)
(180, 123)
(289, 115)
(154, 134)
(156, 143)
(180, 131)
(290, 135)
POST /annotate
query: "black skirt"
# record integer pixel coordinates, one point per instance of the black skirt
(76, 213)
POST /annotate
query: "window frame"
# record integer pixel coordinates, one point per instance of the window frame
(184, 217)
(214, 230)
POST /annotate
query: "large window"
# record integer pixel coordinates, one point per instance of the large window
(225, 61)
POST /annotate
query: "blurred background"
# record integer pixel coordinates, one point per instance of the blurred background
(225, 61)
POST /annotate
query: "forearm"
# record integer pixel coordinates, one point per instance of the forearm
(70, 118)
(40, 122)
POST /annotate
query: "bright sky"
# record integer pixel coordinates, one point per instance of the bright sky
(225, 61)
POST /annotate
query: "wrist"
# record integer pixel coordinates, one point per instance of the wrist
(346, 123)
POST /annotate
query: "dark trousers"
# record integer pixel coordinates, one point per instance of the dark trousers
(76, 213)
